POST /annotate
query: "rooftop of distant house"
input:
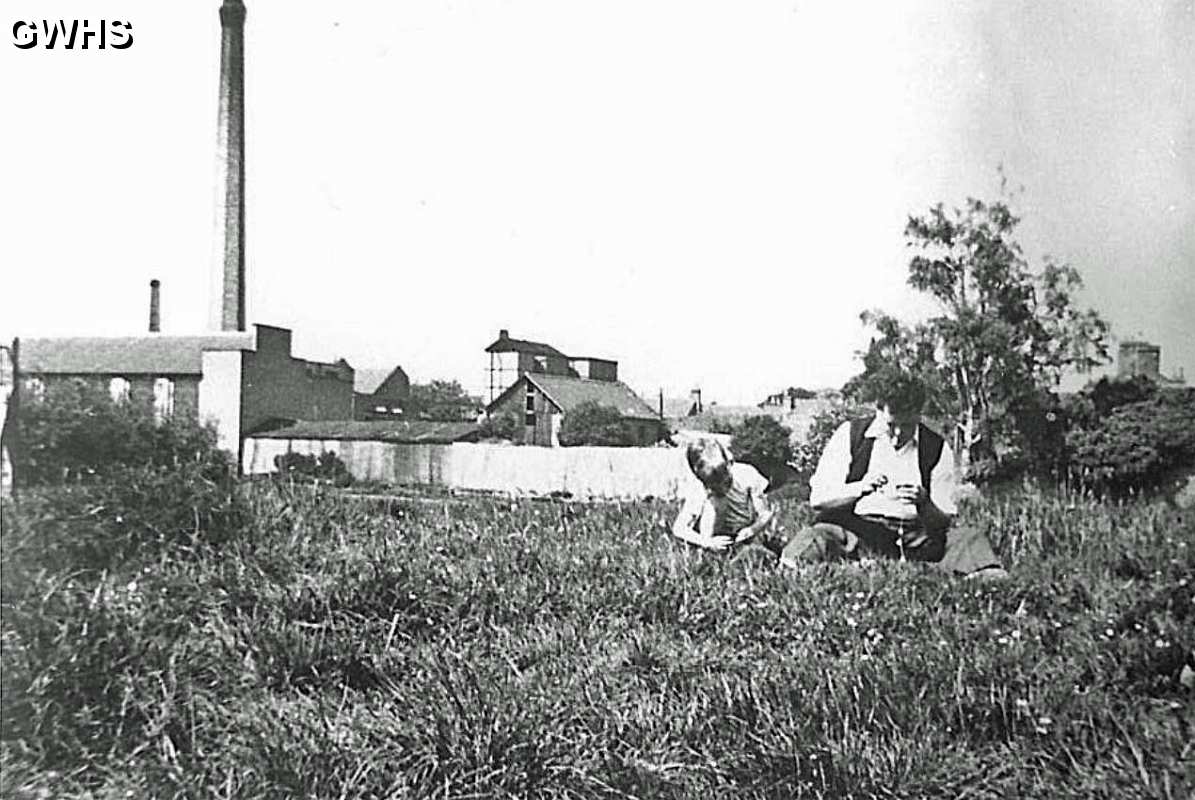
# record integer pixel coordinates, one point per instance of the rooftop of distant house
(567, 392)
(505, 344)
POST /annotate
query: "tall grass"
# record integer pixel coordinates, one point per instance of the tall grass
(447, 647)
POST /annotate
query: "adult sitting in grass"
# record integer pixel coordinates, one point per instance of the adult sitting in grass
(728, 509)
(885, 486)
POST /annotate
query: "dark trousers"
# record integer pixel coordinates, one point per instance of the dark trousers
(959, 549)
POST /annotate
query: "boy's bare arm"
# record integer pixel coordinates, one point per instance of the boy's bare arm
(684, 527)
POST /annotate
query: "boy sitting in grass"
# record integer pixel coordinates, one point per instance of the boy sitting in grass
(728, 508)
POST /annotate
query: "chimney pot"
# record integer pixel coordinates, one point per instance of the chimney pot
(503, 334)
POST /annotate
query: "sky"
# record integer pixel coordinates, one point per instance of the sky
(708, 192)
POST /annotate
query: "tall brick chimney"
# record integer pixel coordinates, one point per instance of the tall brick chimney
(228, 294)
(155, 306)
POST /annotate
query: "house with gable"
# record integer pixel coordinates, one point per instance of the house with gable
(380, 393)
(541, 385)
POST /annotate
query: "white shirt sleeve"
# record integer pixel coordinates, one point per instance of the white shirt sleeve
(829, 479)
(943, 483)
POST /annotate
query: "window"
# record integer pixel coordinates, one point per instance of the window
(118, 390)
(163, 399)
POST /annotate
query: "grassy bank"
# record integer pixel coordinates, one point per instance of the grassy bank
(483, 648)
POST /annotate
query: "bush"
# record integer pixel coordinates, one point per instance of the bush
(303, 468)
(75, 433)
(506, 425)
(595, 425)
(1137, 446)
(110, 481)
(761, 440)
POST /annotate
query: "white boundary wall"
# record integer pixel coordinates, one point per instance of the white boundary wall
(625, 472)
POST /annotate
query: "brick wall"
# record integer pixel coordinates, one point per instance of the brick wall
(274, 384)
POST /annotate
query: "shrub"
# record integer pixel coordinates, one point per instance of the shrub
(1137, 446)
(506, 425)
(75, 432)
(110, 481)
(327, 468)
(761, 440)
(595, 425)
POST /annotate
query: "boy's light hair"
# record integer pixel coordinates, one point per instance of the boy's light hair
(706, 457)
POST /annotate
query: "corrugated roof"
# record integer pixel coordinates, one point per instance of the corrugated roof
(154, 354)
(394, 431)
(567, 393)
(505, 344)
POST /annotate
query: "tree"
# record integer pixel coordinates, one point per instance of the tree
(1004, 334)
(762, 441)
(444, 401)
(595, 425)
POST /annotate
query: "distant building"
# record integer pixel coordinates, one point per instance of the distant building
(380, 394)
(543, 400)
(239, 381)
(1137, 358)
(511, 359)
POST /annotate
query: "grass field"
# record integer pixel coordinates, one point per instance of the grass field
(440, 647)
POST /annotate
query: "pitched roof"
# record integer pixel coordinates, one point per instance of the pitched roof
(154, 354)
(368, 380)
(567, 393)
(394, 431)
(505, 344)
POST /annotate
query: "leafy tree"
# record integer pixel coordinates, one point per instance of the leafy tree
(443, 401)
(762, 441)
(595, 425)
(1003, 332)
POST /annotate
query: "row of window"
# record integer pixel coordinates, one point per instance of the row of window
(119, 390)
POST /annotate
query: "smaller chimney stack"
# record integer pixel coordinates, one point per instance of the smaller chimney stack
(503, 333)
(155, 306)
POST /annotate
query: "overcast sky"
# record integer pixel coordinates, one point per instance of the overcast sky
(709, 192)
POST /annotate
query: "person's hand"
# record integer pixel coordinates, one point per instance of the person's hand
(744, 534)
(911, 493)
(719, 543)
(873, 482)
